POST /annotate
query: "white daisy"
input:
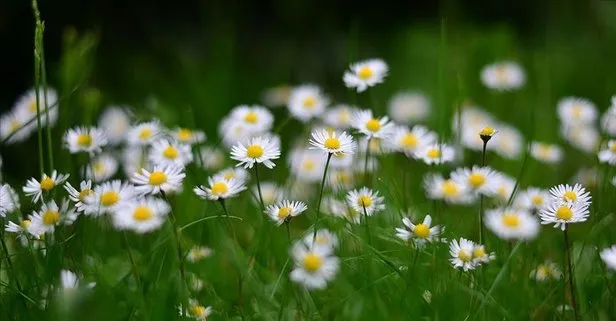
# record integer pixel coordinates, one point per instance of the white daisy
(508, 143)
(141, 215)
(364, 74)
(478, 180)
(365, 201)
(480, 256)
(340, 179)
(314, 265)
(212, 158)
(49, 216)
(546, 271)
(583, 137)
(83, 139)
(565, 193)
(143, 133)
(531, 199)
(608, 120)
(196, 311)
(323, 238)
(409, 107)
(13, 123)
(608, 155)
(9, 200)
(307, 102)
(198, 253)
(220, 187)
(461, 253)
(343, 210)
(574, 110)
(107, 197)
(79, 196)
(233, 131)
(285, 211)
(259, 150)
(438, 188)
(20, 230)
(419, 233)
(48, 108)
(504, 187)
(115, 121)
(167, 153)
(546, 153)
(256, 118)
(410, 141)
(102, 167)
(366, 124)
(376, 146)
(504, 75)
(307, 165)
(511, 224)
(332, 142)
(609, 257)
(587, 176)
(134, 159)
(35, 188)
(339, 116)
(167, 179)
(270, 191)
(188, 136)
(276, 96)
(435, 154)
(560, 214)
(237, 173)
(341, 161)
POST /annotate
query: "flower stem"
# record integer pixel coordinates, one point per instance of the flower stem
(570, 273)
(173, 224)
(316, 222)
(224, 208)
(259, 187)
(483, 163)
(366, 180)
(367, 226)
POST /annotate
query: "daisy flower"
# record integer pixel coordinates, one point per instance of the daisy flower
(107, 197)
(560, 214)
(79, 196)
(478, 180)
(376, 146)
(188, 136)
(545, 271)
(167, 153)
(48, 108)
(480, 256)
(435, 154)
(70, 284)
(461, 253)
(141, 215)
(332, 142)
(134, 159)
(285, 211)
(102, 167)
(409, 107)
(84, 139)
(219, 187)
(143, 133)
(438, 188)
(115, 122)
(20, 229)
(364, 74)
(340, 179)
(270, 191)
(608, 155)
(259, 150)
(35, 188)
(256, 118)
(565, 193)
(49, 216)
(410, 141)
(546, 153)
(212, 158)
(339, 116)
(196, 311)
(233, 131)
(9, 200)
(609, 257)
(13, 124)
(343, 210)
(341, 161)
(163, 178)
(504, 187)
(323, 238)
(574, 110)
(587, 176)
(583, 137)
(365, 201)
(531, 199)
(276, 96)
(307, 102)
(314, 265)
(502, 76)
(508, 143)
(366, 124)
(308, 165)
(198, 253)
(510, 224)
(239, 174)
(608, 120)
(419, 233)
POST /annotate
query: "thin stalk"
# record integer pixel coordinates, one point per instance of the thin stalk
(172, 221)
(483, 163)
(288, 226)
(366, 181)
(136, 274)
(316, 222)
(48, 127)
(367, 226)
(259, 186)
(570, 272)
(224, 208)
(10, 266)
(37, 73)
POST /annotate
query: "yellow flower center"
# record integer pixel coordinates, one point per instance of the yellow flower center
(47, 184)
(197, 311)
(511, 220)
(421, 231)
(14, 125)
(25, 223)
(478, 252)
(332, 143)
(569, 196)
(85, 193)
(157, 178)
(545, 151)
(537, 200)
(109, 198)
(344, 116)
(184, 134)
(308, 165)
(434, 153)
(145, 133)
(170, 152)
(32, 106)
(576, 111)
(613, 146)
(409, 140)
(542, 271)
(450, 189)
(501, 74)
(219, 188)
(321, 240)
(84, 140)
(365, 73)
(142, 213)
(254, 151)
(502, 192)
(464, 256)
(343, 177)
(312, 262)
(51, 217)
(99, 167)
(310, 102)
(373, 125)
(229, 175)
(364, 201)
(283, 212)
(251, 117)
(564, 213)
(476, 180)
(487, 131)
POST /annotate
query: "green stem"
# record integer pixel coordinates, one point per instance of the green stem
(366, 181)
(173, 223)
(316, 222)
(570, 273)
(367, 225)
(136, 275)
(256, 167)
